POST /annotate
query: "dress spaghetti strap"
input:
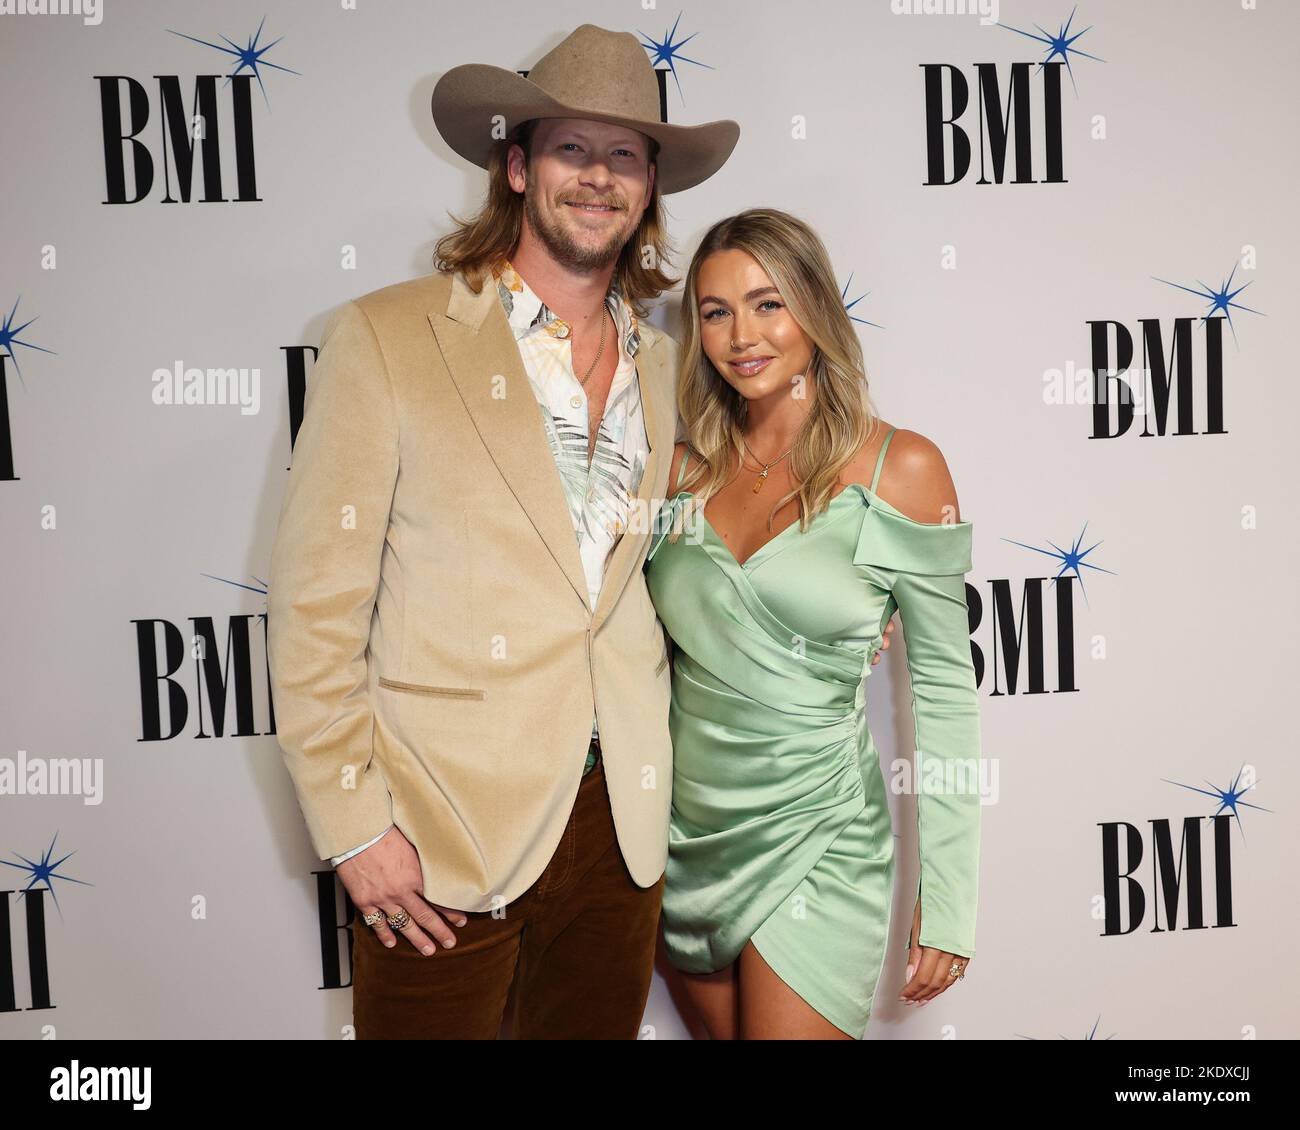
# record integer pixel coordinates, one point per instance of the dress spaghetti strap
(880, 459)
(681, 471)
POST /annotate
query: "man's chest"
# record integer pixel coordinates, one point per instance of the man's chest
(597, 403)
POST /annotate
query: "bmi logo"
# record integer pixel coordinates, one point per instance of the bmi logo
(154, 135)
(1175, 883)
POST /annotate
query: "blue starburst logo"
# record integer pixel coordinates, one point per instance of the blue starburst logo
(9, 338)
(250, 56)
(848, 306)
(1221, 300)
(1072, 559)
(668, 50)
(1061, 44)
(1229, 799)
(45, 871)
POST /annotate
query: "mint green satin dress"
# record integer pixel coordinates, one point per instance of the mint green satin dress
(780, 828)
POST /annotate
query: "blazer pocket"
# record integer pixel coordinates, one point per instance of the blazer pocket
(439, 692)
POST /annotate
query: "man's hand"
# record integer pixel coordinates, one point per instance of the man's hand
(884, 643)
(386, 876)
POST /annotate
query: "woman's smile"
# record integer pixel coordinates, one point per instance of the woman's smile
(750, 366)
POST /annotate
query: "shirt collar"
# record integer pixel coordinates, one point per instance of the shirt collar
(527, 313)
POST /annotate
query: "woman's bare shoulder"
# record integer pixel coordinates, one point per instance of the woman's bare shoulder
(915, 479)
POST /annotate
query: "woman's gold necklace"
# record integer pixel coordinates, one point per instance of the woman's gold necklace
(762, 477)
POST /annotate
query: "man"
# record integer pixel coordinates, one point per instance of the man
(471, 686)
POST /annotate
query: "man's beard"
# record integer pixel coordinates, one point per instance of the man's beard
(563, 248)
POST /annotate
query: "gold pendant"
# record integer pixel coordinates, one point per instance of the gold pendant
(761, 478)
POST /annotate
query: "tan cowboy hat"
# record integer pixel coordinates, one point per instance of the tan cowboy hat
(597, 74)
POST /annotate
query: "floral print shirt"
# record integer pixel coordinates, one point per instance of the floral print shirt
(600, 493)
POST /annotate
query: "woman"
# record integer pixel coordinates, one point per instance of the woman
(787, 544)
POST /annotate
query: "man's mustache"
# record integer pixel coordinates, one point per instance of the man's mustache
(607, 203)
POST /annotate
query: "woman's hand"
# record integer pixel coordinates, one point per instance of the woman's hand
(928, 969)
(884, 643)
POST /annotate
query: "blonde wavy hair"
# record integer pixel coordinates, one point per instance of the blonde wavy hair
(480, 242)
(840, 419)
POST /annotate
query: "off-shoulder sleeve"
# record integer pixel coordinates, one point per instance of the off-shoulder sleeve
(924, 566)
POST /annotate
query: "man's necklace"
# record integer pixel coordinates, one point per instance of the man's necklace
(583, 380)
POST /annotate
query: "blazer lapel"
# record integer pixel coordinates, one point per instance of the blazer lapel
(477, 344)
(661, 430)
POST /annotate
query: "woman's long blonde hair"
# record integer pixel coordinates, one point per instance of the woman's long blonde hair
(840, 419)
(479, 243)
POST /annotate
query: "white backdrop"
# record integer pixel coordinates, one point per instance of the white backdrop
(173, 890)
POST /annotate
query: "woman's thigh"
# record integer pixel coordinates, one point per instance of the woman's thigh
(770, 1010)
(713, 998)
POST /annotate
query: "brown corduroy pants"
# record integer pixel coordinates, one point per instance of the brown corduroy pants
(578, 947)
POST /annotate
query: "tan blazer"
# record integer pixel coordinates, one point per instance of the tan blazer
(434, 659)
